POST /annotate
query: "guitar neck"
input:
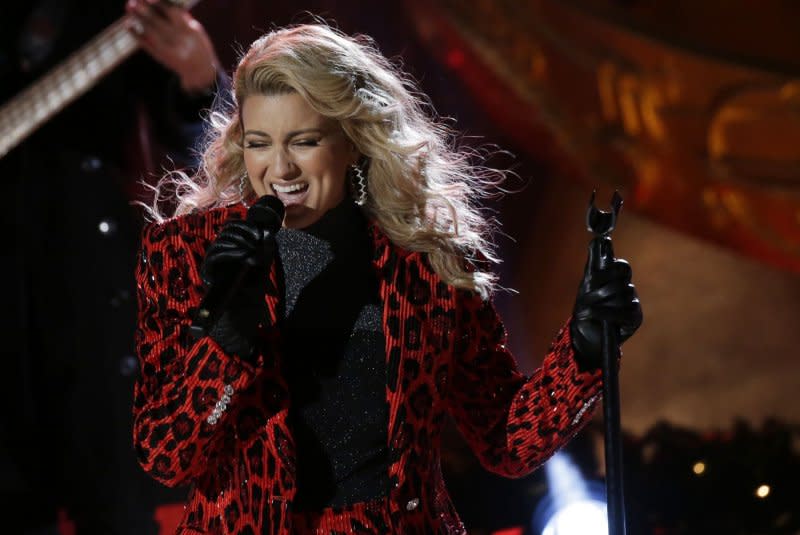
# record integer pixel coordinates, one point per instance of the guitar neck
(27, 111)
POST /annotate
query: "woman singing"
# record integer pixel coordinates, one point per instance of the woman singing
(314, 402)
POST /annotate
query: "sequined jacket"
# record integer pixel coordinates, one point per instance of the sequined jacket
(218, 423)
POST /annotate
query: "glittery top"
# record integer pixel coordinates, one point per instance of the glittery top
(335, 361)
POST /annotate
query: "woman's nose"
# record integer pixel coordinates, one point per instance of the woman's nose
(283, 167)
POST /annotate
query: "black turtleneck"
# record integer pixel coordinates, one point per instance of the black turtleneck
(335, 360)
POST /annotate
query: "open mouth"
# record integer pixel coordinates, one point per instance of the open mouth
(291, 194)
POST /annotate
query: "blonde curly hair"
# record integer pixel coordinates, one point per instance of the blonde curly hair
(424, 190)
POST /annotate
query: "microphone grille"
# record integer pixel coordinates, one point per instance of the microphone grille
(268, 212)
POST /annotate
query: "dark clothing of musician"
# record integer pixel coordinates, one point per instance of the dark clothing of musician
(70, 364)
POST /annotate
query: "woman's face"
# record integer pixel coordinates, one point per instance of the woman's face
(296, 154)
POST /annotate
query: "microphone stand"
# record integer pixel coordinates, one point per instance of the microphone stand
(601, 224)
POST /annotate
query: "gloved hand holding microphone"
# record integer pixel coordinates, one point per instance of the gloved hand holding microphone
(236, 273)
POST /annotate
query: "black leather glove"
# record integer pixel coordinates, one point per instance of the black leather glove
(605, 293)
(240, 243)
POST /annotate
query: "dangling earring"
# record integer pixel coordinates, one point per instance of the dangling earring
(358, 183)
(242, 180)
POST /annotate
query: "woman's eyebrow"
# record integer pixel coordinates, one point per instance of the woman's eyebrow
(304, 131)
(291, 134)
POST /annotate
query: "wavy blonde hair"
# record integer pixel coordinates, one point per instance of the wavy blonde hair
(424, 191)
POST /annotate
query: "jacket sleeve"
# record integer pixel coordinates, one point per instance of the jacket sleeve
(185, 386)
(514, 423)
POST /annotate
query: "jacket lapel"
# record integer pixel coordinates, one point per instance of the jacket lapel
(404, 346)
(387, 264)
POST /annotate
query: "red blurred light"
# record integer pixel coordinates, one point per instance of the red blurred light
(455, 58)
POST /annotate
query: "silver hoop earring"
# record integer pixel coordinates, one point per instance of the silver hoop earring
(358, 182)
(242, 180)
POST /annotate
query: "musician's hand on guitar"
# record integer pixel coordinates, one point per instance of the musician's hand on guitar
(175, 39)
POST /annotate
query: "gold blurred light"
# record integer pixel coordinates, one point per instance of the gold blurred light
(763, 491)
(699, 468)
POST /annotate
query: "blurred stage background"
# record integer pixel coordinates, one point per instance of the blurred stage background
(692, 110)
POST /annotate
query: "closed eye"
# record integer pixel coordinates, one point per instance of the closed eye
(307, 142)
(255, 144)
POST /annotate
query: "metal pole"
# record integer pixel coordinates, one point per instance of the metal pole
(601, 224)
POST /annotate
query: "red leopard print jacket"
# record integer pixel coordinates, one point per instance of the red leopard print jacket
(211, 420)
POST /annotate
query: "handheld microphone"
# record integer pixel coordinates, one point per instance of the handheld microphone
(267, 214)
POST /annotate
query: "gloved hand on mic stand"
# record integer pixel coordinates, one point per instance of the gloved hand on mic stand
(237, 265)
(605, 293)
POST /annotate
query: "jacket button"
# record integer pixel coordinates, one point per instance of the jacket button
(412, 504)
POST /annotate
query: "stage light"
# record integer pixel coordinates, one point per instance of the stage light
(762, 491)
(699, 468)
(580, 518)
(573, 505)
